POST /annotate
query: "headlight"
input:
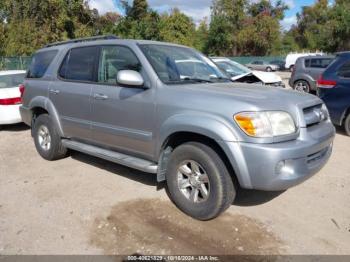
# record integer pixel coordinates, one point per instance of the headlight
(266, 124)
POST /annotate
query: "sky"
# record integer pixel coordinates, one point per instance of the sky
(198, 9)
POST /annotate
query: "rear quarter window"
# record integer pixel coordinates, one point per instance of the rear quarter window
(344, 70)
(40, 62)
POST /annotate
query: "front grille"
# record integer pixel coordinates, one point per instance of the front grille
(314, 115)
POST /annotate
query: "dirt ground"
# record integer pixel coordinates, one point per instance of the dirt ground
(84, 205)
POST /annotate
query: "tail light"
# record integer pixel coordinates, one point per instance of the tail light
(325, 83)
(22, 89)
(10, 101)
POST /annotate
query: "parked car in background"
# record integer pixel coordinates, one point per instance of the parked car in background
(293, 57)
(10, 96)
(262, 66)
(334, 89)
(239, 73)
(280, 63)
(306, 71)
(128, 102)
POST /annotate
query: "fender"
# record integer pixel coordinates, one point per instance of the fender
(46, 104)
(204, 124)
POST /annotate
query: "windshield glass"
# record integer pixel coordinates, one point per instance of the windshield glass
(175, 65)
(14, 80)
(232, 68)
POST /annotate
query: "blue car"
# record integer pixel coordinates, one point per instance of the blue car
(334, 89)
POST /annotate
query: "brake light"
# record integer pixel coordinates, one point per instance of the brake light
(22, 89)
(325, 83)
(10, 101)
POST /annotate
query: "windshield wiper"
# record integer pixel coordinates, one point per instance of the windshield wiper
(198, 80)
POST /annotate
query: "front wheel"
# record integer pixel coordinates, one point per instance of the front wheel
(347, 125)
(268, 69)
(199, 182)
(47, 140)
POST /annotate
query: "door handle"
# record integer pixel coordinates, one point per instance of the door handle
(100, 97)
(55, 92)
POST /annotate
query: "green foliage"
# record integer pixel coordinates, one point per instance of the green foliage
(324, 27)
(178, 28)
(237, 27)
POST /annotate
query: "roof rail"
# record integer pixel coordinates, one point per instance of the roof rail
(86, 39)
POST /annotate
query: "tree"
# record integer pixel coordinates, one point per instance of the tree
(139, 9)
(201, 36)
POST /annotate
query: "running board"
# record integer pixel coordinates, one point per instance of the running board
(122, 159)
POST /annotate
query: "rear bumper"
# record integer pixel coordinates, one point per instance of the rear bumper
(279, 166)
(26, 115)
(10, 115)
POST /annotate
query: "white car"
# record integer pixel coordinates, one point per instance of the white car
(10, 96)
(240, 73)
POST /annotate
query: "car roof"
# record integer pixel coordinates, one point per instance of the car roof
(12, 72)
(316, 57)
(71, 44)
(345, 53)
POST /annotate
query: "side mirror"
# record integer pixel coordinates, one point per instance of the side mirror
(130, 78)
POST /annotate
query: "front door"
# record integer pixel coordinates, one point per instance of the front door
(123, 118)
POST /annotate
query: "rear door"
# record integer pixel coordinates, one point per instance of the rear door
(71, 93)
(123, 117)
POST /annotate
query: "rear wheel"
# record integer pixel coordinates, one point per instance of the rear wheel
(347, 125)
(302, 86)
(47, 140)
(268, 69)
(199, 182)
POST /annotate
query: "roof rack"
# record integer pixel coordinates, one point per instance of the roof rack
(86, 39)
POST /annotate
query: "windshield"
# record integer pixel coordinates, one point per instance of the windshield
(175, 65)
(232, 69)
(13, 80)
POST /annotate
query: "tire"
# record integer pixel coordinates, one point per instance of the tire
(47, 140)
(347, 125)
(218, 182)
(268, 69)
(301, 86)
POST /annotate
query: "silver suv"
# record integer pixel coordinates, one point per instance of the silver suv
(166, 109)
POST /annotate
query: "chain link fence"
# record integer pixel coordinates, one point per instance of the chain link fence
(247, 59)
(15, 63)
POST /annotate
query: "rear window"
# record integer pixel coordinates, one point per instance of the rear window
(14, 80)
(344, 70)
(40, 63)
(79, 64)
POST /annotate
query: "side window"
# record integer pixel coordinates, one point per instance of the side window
(307, 62)
(79, 64)
(40, 63)
(112, 60)
(344, 70)
(320, 62)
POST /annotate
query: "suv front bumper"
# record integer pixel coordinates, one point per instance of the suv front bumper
(279, 166)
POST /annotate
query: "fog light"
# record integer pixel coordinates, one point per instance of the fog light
(279, 167)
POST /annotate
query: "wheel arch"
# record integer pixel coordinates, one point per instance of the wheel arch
(42, 105)
(181, 137)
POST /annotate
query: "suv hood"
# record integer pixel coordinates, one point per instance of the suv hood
(258, 96)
